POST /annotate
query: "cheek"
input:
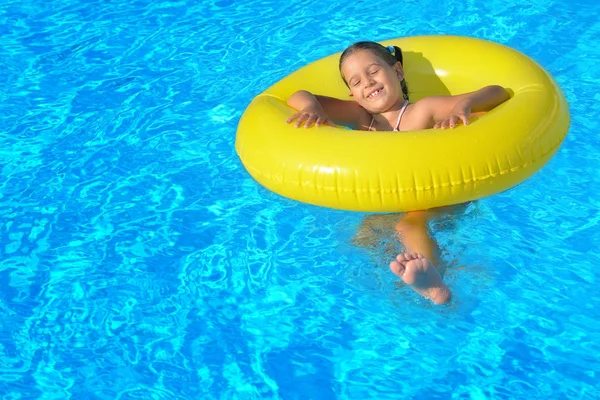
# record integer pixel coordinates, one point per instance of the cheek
(394, 83)
(392, 79)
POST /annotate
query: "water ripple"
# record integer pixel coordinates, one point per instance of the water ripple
(138, 258)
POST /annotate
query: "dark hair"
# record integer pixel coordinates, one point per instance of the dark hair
(384, 53)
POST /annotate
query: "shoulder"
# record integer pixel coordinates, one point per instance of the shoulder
(364, 120)
(419, 115)
(427, 110)
(431, 103)
(345, 112)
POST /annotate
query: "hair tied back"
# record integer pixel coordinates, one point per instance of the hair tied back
(396, 52)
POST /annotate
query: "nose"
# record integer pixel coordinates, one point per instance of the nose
(369, 81)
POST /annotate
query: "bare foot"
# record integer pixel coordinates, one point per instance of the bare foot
(422, 276)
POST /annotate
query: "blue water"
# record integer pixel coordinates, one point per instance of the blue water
(140, 260)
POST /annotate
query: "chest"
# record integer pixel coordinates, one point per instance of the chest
(411, 120)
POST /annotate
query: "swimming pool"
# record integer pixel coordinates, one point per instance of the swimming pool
(139, 260)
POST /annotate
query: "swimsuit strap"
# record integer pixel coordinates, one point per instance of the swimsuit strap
(397, 122)
(400, 116)
(371, 124)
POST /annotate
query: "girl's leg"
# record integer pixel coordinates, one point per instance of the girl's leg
(414, 235)
(419, 266)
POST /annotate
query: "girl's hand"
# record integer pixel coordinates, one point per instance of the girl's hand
(460, 113)
(308, 116)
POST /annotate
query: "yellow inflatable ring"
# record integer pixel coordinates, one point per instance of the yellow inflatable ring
(406, 171)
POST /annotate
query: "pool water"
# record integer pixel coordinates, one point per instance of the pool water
(140, 260)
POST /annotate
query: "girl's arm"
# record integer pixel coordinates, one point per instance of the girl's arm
(446, 111)
(324, 110)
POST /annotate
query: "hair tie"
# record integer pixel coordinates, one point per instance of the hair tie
(392, 50)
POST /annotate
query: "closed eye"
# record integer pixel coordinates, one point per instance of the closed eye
(373, 71)
(355, 83)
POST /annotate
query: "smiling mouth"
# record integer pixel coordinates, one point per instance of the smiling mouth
(375, 94)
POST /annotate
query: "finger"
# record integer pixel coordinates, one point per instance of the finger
(437, 125)
(321, 121)
(445, 124)
(328, 122)
(310, 120)
(453, 121)
(293, 117)
(465, 119)
(301, 119)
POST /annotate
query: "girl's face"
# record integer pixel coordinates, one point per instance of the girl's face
(373, 83)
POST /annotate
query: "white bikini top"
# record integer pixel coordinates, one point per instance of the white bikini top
(397, 122)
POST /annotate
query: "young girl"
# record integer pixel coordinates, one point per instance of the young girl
(375, 77)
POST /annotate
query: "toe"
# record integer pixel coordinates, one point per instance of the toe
(397, 268)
